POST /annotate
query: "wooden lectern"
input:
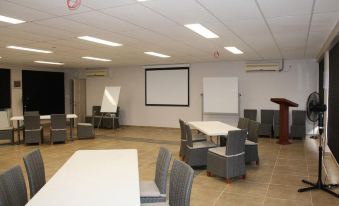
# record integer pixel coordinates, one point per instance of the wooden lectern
(283, 118)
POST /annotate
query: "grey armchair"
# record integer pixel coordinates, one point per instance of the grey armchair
(196, 152)
(266, 126)
(180, 186)
(183, 139)
(251, 145)
(155, 191)
(13, 188)
(33, 132)
(228, 161)
(6, 130)
(243, 123)
(58, 128)
(250, 114)
(298, 128)
(35, 171)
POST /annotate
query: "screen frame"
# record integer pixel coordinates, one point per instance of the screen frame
(169, 68)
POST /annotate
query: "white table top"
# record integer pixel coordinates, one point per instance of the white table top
(212, 128)
(93, 177)
(43, 117)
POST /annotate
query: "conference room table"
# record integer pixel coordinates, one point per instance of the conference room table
(93, 177)
(71, 117)
(212, 128)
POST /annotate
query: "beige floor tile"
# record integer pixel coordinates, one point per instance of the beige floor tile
(282, 202)
(228, 199)
(287, 192)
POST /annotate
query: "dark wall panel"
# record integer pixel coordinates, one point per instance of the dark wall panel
(43, 92)
(5, 88)
(333, 102)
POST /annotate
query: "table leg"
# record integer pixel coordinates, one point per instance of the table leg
(71, 129)
(18, 130)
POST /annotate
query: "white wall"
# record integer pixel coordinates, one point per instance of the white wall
(16, 93)
(296, 82)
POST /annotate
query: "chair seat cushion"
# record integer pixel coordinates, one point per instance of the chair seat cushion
(149, 189)
(156, 204)
(84, 124)
(248, 142)
(203, 144)
(218, 150)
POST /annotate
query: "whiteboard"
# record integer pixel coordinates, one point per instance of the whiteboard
(167, 86)
(220, 95)
(110, 99)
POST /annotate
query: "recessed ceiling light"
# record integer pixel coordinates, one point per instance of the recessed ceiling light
(201, 30)
(99, 41)
(0, 57)
(45, 62)
(142, 0)
(10, 20)
(97, 59)
(157, 54)
(234, 50)
(29, 49)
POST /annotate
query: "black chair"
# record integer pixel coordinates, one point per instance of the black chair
(13, 188)
(250, 114)
(58, 128)
(35, 171)
(266, 126)
(33, 132)
(298, 127)
(276, 123)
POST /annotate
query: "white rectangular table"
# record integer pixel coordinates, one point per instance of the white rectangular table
(93, 177)
(212, 128)
(45, 117)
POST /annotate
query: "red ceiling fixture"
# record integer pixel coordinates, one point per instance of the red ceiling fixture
(73, 4)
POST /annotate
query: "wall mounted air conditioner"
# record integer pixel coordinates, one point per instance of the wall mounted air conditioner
(267, 65)
(96, 73)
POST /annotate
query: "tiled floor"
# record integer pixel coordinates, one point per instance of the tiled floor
(274, 182)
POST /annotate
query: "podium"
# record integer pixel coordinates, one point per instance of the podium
(283, 118)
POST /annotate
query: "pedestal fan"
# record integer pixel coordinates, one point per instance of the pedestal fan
(315, 113)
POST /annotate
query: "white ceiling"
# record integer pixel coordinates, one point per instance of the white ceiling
(262, 29)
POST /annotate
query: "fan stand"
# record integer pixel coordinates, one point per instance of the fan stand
(314, 136)
(319, 184)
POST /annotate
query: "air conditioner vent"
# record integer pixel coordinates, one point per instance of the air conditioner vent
(274, 65)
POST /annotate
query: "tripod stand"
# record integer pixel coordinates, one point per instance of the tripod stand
(319, 184)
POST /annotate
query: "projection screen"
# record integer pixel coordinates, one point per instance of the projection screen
(167, 86)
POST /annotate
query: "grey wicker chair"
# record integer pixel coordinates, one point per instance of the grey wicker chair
(155, 191)
(33, 132)
(276, 123)
(250, 114)
(35, 171)
(243, 123)
(251, 144)
(228, 161)
(183, 139)
(58, 128)
(31, 113)
(266, 126)
(13, 188)
(298, 128)
(180, 186)
(196, 152)
(6, 130)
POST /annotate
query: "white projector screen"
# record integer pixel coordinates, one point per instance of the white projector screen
(220, 95)
(167, 86)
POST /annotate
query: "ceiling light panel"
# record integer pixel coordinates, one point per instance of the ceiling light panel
(10, 20)
(29, 49)
(99, 41)
(96, 59)
(157, 54)
(46, 62)
(201, 30)
(234, 50)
